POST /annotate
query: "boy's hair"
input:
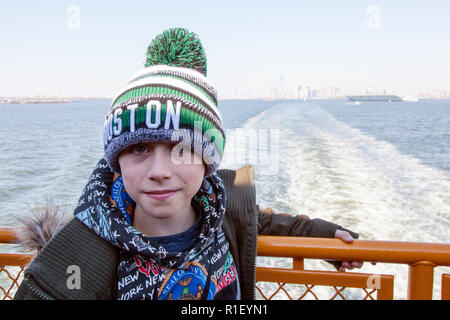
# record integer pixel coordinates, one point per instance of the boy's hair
(170, 100)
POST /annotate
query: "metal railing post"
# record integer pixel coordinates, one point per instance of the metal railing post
(420, 280)
(445, 289)
(298, 264)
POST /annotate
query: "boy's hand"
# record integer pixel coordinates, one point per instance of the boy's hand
(346, 237)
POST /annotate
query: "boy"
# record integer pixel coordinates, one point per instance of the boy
(156, 219)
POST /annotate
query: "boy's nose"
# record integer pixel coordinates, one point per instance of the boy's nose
(159, 167)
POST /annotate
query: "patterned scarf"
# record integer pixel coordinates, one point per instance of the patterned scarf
(146, 267)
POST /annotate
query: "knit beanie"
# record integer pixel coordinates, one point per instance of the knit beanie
(170, 100)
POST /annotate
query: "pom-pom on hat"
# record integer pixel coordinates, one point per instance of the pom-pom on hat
(179, 48)
(170, 100)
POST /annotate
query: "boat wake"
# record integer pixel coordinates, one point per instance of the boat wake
(332, 171)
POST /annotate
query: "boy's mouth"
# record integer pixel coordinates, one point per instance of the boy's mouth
(161, 194)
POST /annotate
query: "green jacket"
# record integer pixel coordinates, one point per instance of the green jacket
(47, 275)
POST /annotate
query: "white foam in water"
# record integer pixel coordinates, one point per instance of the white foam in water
(338, 173)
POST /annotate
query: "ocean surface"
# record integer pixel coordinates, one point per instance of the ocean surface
(380, 169)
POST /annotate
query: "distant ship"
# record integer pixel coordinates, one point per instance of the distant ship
(375, 97)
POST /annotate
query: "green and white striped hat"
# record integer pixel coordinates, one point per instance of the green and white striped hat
(170, 100)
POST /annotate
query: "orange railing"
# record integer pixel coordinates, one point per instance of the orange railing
(10, 280)
(422, 258)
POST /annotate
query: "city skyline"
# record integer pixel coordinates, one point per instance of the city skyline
(284, 90)
(84, 49)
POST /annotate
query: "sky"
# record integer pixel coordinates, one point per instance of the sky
(91, 48)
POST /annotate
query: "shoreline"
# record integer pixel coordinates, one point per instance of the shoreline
(45, 100)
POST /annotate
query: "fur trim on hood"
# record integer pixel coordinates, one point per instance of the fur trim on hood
(36, 229)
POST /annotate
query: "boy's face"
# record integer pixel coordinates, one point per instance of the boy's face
(161, 187)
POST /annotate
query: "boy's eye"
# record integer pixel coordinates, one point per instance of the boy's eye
(139, 149)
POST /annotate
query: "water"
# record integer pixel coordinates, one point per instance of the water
(380, 169)
(47, 151)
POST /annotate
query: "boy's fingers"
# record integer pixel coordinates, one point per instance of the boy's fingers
(350, 265)
(344, 235)
(348, 238)
(347, 265)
